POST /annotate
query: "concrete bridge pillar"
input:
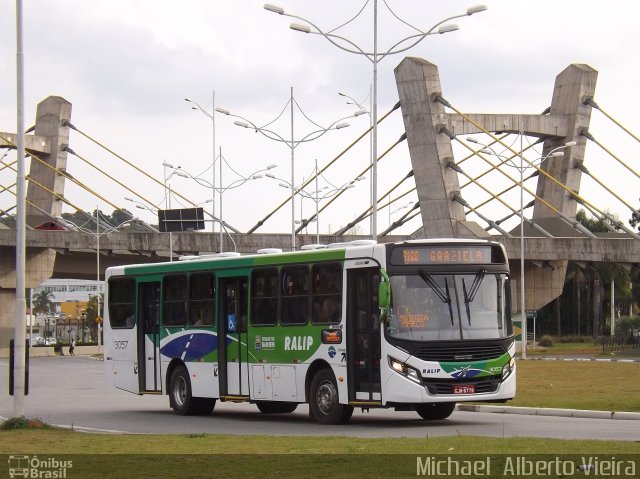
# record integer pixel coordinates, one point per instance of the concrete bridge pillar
(47, 143)
(38, 268)
(572, 86)
(50, 117)
(418, 83)
(424, 118)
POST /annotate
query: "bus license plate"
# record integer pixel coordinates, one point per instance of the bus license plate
(466, 389)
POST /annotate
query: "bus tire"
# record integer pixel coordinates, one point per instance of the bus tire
(180, 397)
(324, 403)
(436, 411)
(276, 407)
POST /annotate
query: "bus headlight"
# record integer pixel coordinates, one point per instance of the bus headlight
(406, 371)
(508, 368)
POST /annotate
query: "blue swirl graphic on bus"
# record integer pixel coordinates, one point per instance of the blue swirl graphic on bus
(191, 346)
(466, 372)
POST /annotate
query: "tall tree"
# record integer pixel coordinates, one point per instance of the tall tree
(635, 218)
(92, 314)
(604, 273)
(43, 302)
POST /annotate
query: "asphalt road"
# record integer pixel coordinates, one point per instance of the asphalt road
(72, 391)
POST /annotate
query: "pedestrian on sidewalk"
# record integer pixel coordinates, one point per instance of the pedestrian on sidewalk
(72, 346)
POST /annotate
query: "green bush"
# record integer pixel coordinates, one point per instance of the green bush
(546, 341)
(22, 422)
(574, 339)
(627, 327)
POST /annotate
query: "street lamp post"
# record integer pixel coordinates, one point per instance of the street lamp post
(292, 143)
(399, 208)
(212, 117)
(554, 153)
(167, 198)
(316, 195)
(374, 57)
(353, 101)
(234, 184)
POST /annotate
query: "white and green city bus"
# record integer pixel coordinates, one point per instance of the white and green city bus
(414, 325)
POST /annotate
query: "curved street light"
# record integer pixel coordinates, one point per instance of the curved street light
(221, 189)
(317, 195)
(554, 153)
(196, 106)
(353, 101)
(292, 143)
(374, 57)
(398, 208)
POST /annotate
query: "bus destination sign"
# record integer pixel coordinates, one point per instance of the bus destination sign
(405, 256)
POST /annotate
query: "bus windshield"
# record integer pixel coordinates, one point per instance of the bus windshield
(433, 307)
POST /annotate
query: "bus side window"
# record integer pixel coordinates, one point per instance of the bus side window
(264, 292)
(201, 299)
(122, 298)
(175, 300)
(327, 293)
(295, 295)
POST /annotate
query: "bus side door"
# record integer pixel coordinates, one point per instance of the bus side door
(363, 334)
(149, 375)
(233, 306)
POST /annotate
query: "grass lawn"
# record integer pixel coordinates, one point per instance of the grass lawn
(579, 349)
(564, 384)
(561, 349)
(607, 386)
(203, 455)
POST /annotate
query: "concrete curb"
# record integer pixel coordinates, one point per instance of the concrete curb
(48, 352)
(531, 411)
(600, 360)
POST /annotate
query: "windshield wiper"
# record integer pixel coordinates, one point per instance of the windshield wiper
(475, 287)
(443, 295)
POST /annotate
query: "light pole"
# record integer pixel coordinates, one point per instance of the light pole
(374, 57)
(353, 101)
(315, 195)
(234, 184)
(554, 153)
(212, 117)
(399, 208)
(167, 199)
(292, 143)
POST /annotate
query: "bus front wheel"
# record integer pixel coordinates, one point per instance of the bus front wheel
(181, 399)
(433, 412)
(323, 401)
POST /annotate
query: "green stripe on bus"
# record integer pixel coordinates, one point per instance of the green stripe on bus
(238, 262)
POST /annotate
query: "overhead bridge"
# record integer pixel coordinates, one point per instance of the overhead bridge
(433, 124)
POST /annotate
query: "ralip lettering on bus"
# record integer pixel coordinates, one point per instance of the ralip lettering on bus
(298, 343)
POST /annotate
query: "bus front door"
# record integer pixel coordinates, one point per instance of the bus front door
(233, 301)
(363, 335)
(149, 337)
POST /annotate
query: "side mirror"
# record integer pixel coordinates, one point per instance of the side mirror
(384, 295)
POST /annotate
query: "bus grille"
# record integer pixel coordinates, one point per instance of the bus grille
(464, 353)
(442, 386)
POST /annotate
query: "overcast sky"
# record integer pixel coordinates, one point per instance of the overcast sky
(127, 65)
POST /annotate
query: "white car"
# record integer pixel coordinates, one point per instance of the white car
(50, 341)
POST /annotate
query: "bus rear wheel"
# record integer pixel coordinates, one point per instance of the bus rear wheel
(180, 397)
(324, 403)
(276, 407)
(436, 411)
